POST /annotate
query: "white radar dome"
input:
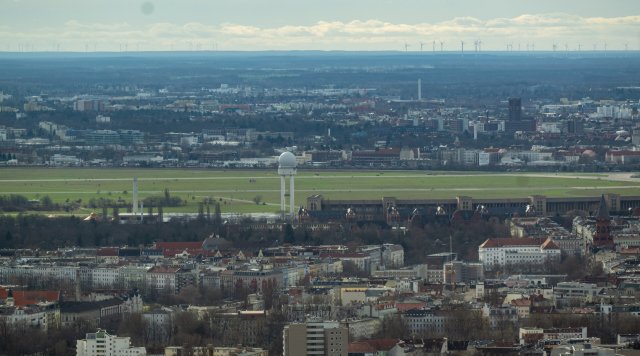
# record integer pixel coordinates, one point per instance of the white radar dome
(287, 160)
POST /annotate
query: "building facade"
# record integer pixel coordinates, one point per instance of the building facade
(501, 252)
(101, 343)
(315, 338)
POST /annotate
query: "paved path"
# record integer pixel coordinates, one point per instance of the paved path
(605, 176)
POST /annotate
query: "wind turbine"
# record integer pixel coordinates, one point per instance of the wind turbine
(433, 46)
(422, 45)
(462, 46)
(406, 47)
(441, 46)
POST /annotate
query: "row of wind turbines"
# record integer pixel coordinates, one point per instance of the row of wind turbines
(529, 46)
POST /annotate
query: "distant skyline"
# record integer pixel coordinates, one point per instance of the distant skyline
(248, 25)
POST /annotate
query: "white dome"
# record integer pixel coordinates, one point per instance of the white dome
(287, 160)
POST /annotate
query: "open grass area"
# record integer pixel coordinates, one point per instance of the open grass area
(236, 189)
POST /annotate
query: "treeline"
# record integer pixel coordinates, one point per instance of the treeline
(165, 200)
(17, 203)
(187, 330)
(7, 156)
(20, 203)
(54, 341)
(37, 231)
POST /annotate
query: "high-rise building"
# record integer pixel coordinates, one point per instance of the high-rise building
(88, 105)
(515, 109)
(315, 338)
(101, 343)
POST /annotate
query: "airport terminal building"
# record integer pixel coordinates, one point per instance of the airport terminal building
(394, 209)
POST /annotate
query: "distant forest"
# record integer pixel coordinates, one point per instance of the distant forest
(476, 76)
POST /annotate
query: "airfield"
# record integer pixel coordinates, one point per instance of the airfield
(237, 191)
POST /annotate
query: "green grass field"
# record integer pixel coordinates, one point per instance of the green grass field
(235, 189)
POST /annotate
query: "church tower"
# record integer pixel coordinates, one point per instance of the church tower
(603, 237)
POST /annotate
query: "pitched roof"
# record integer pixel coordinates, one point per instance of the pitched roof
(402, 307)
(107, 252)
(182, 245)
(383, 344)
(343, 255)
(23, 298)
(79, 307)
(360, 347)
(512, 241)
(521, 302)
(550, 245)
(624, 153)
(162, 269)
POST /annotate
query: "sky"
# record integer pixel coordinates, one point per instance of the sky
(252, 25)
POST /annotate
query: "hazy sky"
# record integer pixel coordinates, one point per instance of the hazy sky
(112, 25)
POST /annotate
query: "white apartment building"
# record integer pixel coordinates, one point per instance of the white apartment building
(528, 334)
(25, 317)
(362, 328)
(162, 278)
(515, 251)
(101, 343)
(422, 322)
(105, 277)
(38, 272)
(500, 316)
(575, 292)
(392, 256)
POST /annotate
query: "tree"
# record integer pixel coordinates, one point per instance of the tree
(257, 199)
(289, 236)
(46, 202)
(217, 218)
(350, 269)
(393, 327)
(200, 211)
(133, 326)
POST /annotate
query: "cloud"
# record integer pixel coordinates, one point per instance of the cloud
(372, 34)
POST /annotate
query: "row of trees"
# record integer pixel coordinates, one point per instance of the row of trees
(17, 202)
(34, 231)
(20, 203)
(464, 323)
